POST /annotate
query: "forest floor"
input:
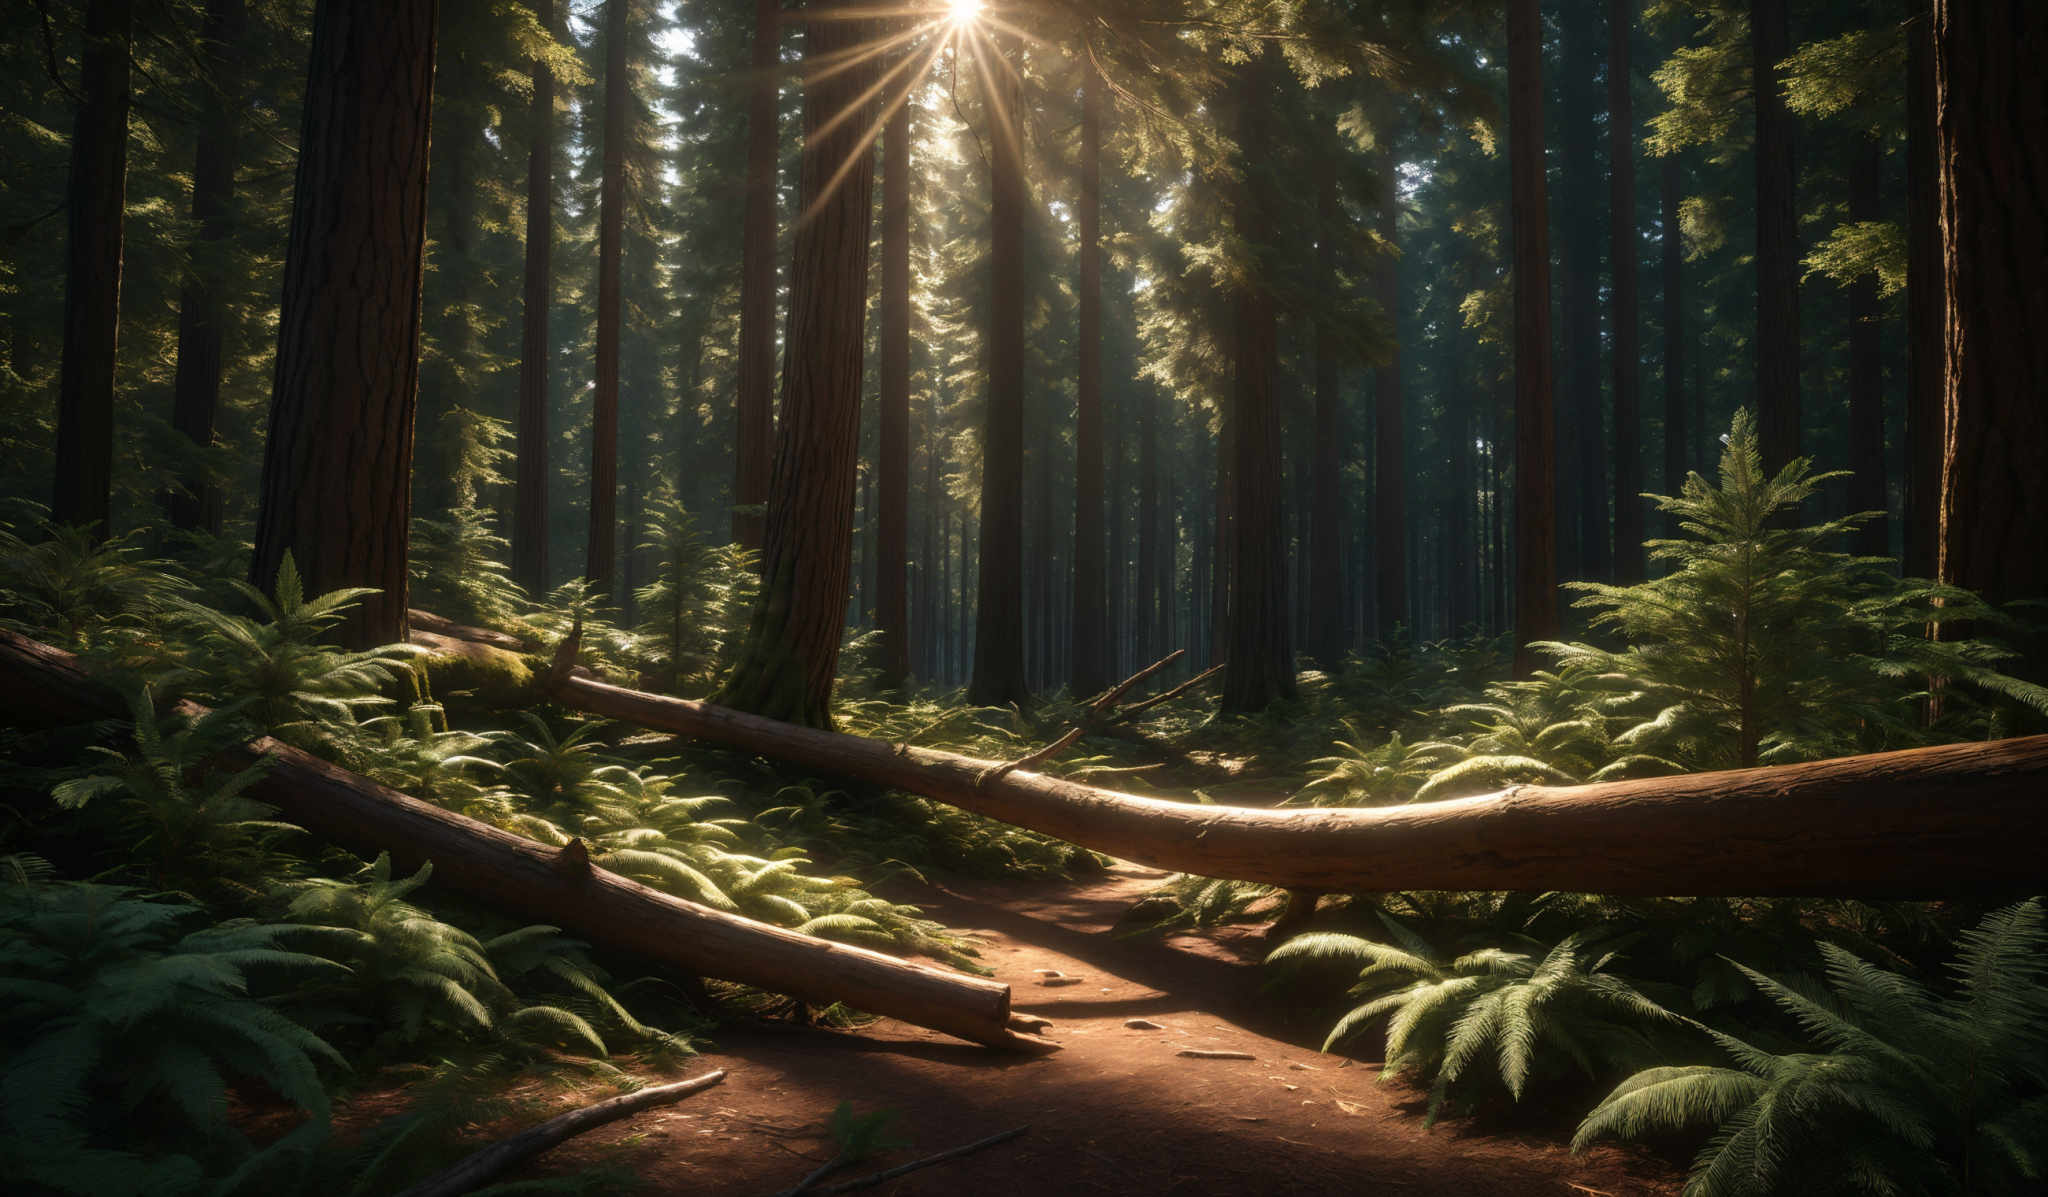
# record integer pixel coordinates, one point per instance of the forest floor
(1117, 1111)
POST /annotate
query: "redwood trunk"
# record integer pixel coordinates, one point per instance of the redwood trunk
(1675, 430)
(1866, 365)
(1535, 424)
(1582, 445)
(1992, 136)
(1091, 665)
(337, 468)
(892, 540)
(601, 550)
(94, 198)
(1777, 239)
(1628, 421)
(531, 438)
(195, 504)
(1390, 470)
(753, 446)
(1926, 301)
(999, 596)
(1328, 633)
(791, 655)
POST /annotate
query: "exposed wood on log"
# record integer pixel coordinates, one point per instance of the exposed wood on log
(1926, 821)
(44, 686)
(474, 1171)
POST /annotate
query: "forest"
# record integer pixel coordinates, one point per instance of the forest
(1027, 596)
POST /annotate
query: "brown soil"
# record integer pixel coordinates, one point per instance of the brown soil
(1118, 1111)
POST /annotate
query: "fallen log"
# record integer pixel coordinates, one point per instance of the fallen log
(42, 686)
(476, 1170)
(1922, 822)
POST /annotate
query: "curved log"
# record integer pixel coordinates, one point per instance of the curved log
(1922, 822)
(42, 686)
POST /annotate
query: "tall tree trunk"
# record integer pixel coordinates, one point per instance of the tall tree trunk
(1328, 635)
(602, 547)
(95, 194)
(1675, 430)
(999, 607)
(195, 503)
(892, 541)
(337, 468)
(1992, 131)
(1582, 446)
(1866, 365)
(1535, 423)
(1222, 544)
(531, 441)
(753, 445)
(791, 655)
(1091, 649)
(1926, 303)
(1390, 471)
(1628, 430)
(1777, 239)
(1260, 666)
(1150, 633)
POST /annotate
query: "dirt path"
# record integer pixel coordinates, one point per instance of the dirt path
(1118, 1111)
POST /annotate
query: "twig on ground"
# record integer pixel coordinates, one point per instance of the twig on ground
(1128, 713)
(868, 1182)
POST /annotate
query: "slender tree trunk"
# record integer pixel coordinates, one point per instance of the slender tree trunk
(195, 503)
(1147, 634)
(1926, 301)
(754, 447)
(1628, 431)
(892, 614)
(999, 607)
(1992, 131)
(1535, 425)
(1390, 471)
(1866, 365)
(337, 468)
(1675, 431)
(1091, 650)
(602, 546)
(531, 440)
(1582, 446)
(791, 655)
(1777, 239)
(1327, 634)
(94, 198)
(1223, 546)
(1260, 666)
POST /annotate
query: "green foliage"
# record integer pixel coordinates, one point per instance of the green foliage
(1907, 1091)
(1763, 644)
(81, 593)
(1513, 1010)
(275, 669)
(120, 1033)
(185, 822)
(695, 611)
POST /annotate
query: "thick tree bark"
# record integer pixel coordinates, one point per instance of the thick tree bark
(999, 597)
(1926, 301)
(791, 656)
(337, 468)
(892, 540)
(1328, 632)
(531, 443)
(1866, 365)
(1777, 239)
(1992, 140)
(44, 687)
(94, 196)
(1861, 826)
(1582, 447)
(1628, 421)
(1260, 663)
(1390, 468)
(1535, 422)
(1675, 430)
(1091, 671)
(754, 439)
(195, 503)
(601, 549)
